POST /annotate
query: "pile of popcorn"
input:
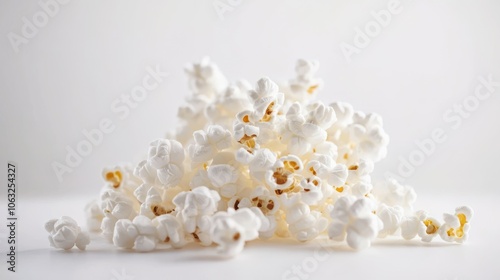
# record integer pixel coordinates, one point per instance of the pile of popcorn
(258, 162)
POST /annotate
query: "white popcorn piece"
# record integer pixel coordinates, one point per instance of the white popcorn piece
(224, 177)
(233, 228)
(360, 172)
(264, 204)
(303, 224)
(170, 230)
(391, 217)
(64, 233)
(421, 224)
(166, 158)
(344, 113)
(208, 143)
(369, 137)
(234, 100)
(392, 193)
(193, 208)
(205, 78)
(192, 117)
(325, 168)
(139, 234)
(304, 86)
(114, 206)
(265, 88)
(456, 227)
(353, 221)
(259, 162)
(311, 190)
(299, 135)
(362, 189)
(321, 115)
(282, 175)
(93, 215)
(153, 205)
(120, 178)
(246, 135)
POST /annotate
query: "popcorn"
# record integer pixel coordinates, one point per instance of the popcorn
(311, 190)
(422, 224)
(153, 205)
(360, 172)
(205, 78)
(139, 234)
(456, 227)
(303, 224)
(300, 135)
(93, 215)
(304, 86)
(392, 193)
(195, 207)
(233, 228)
(353, 221)
(391, 217)
(64, 233)
(170, 230)
(325, 168)
(166, 157)
(120, 178)
(369, 137)
(115, 206)
(282, 176)
(234, 100)
(258, 162)
(207, 144)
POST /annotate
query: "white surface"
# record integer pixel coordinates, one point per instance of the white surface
(386, 259)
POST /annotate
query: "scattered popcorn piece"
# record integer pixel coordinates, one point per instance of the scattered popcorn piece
(64, 233)
(421, 224)
(456, 227)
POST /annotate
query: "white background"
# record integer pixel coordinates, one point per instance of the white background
(66, 77)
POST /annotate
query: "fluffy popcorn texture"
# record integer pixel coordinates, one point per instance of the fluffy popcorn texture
(64, 233)
(260, 161)
(139, 234)
(233, 228)
(354, 221)
(115, 205)
(456, 227)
